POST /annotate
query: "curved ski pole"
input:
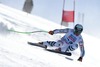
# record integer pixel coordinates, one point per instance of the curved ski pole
(27, 32)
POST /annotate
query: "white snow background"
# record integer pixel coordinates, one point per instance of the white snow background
(15, 52)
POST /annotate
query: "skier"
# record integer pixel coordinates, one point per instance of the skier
(69, 42)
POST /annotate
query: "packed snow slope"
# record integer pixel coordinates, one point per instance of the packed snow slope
(15, 52)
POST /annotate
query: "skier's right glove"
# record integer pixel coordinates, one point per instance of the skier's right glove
(51, 32)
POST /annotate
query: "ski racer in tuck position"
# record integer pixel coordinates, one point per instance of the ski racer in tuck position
(69, 42)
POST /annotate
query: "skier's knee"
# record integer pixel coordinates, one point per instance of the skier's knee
(72, 47)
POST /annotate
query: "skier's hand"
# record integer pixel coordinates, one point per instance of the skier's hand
(51, 32)
(80, 59)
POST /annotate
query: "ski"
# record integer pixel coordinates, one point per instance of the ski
(64, 53)
(35, 44)
(39, 45)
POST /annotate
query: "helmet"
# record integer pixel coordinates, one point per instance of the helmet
(78, 28)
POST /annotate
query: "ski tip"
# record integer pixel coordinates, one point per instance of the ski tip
(69, 58)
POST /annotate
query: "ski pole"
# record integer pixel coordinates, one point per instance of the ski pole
(27, 32)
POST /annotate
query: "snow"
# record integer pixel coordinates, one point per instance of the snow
(15, 52)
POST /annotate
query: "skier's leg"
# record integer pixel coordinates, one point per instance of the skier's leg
(48, 43)
(60, 46)
(72, 47)
(64, 47)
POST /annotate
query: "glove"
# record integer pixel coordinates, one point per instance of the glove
(51, 32)
(80, 59)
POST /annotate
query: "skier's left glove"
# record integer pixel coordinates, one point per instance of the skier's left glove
(51, 32)
(80, 59)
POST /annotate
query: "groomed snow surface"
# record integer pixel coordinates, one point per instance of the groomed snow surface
(15, 52)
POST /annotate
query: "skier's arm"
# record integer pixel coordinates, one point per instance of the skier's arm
(59, 31)
(81, 45)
